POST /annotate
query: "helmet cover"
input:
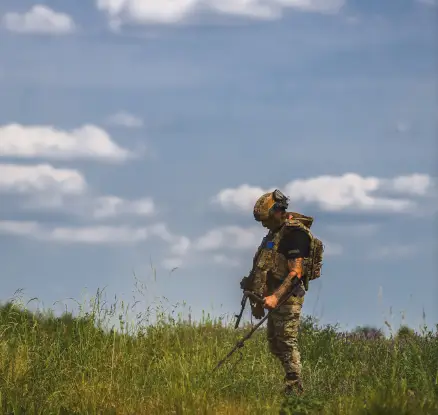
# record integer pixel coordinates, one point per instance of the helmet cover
(268, 203)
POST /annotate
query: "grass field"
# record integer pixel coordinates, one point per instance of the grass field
(66, 365)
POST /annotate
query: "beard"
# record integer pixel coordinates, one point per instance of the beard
(272, 223)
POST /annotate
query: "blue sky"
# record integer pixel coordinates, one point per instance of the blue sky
(145, 134)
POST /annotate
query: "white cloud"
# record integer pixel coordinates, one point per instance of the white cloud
(125, 119)
(41, 178)
(39, 19)
(103, 235)
(172, 263)
(239, 238)
(241, 198)
(113, 206)
(179, 244)
(19, 228)
(96, 235)
(402, 127)
(350, 192)
(395, 251)
(352, 20)
(361, 230)
(87, 235)
(210, 246)
(223, 246)
(432, 3)
(66, 190)
(230, 237)
(87, 142)
(415, 185)
(332, 249)
(225, 260)
(183, 252)
(173, 11)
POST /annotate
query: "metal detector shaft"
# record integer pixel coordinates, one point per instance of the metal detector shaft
(240, 343)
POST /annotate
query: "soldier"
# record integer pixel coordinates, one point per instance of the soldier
(283, 255)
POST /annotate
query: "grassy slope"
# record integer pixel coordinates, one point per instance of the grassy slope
(51, 365)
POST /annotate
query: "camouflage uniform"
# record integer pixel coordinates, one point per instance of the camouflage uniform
(282, 334)
(283, 255)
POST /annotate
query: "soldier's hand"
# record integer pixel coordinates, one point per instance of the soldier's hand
(271, 302)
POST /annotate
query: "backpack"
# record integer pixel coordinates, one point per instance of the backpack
(313, 263)
(256, 280)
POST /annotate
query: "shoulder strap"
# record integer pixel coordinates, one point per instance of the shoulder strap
(305, 220)
(292, 223)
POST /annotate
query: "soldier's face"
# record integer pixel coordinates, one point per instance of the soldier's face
(274, 221)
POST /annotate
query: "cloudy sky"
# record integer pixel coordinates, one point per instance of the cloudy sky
(138, 134)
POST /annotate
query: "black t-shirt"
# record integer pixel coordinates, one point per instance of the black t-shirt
(294, 244)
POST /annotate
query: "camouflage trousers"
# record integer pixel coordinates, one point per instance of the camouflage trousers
(282, 333)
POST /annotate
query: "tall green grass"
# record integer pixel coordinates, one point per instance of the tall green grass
(76, 365)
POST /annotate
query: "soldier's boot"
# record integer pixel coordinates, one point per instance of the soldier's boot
(293, 384)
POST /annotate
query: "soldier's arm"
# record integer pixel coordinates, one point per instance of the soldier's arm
(295, 247)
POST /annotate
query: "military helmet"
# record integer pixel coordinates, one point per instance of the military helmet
(269, 203)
